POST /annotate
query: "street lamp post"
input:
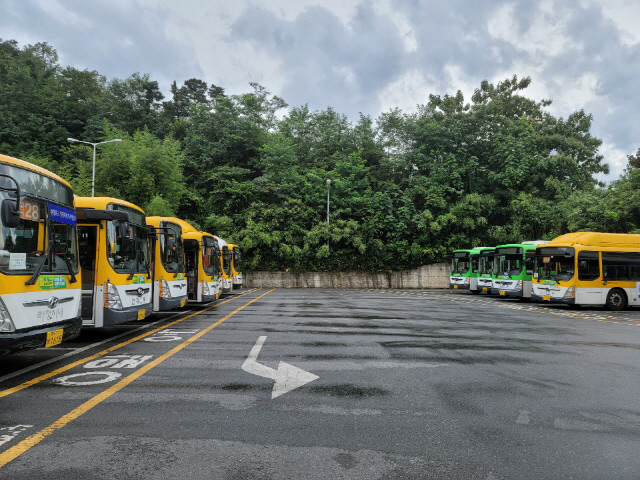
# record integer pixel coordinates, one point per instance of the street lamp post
(328, 191)
(94, 145)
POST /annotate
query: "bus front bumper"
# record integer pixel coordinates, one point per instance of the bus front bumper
(28, 340)
(171, 303)
(541, 299)
(507, 293)
(459, 286)
(114, 317)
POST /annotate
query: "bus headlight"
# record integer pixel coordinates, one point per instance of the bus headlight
(466, 281)
(205, 288)
(570, 293)
(164, 289)
(6, 324)
(111, 297)
(518, 286)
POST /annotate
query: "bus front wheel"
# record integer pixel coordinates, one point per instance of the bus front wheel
(616, 299)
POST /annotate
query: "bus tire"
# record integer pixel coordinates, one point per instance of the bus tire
(475, 292)
(616, 299)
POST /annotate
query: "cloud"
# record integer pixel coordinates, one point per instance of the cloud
(362, 55)
(326, 62)
(116, 38)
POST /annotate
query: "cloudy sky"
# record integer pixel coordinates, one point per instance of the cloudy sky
(362, 55)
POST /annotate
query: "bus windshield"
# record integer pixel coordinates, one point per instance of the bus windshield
(460, 263)
(128, 248)
(226, 260)
(38, 243)
(555, 263)
(485, 266)
(171, 248)
(210, 253)
(510, 265)
(237, 259)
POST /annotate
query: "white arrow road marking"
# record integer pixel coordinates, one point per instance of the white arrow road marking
(287, 376)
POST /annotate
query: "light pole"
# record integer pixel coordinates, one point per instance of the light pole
(94, 145)
(328, 191)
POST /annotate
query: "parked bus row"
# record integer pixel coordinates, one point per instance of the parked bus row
(577, 269)
(68, 262)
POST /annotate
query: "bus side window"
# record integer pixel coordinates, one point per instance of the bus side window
(589, 266)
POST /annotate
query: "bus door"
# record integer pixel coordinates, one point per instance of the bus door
(191, 263)
(88, 246)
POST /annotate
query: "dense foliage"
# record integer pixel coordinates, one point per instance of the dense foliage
(406, 188)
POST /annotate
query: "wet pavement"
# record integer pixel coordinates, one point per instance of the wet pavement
(410, 384)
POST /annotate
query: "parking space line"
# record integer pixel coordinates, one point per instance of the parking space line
(29, 442)
(541, 309)
(69, 366)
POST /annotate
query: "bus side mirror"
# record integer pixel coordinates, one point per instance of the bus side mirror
(10, 213)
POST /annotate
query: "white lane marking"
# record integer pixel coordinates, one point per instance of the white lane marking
(83, 349)
(118, 361)
(523, 418)
(169, 335)
(68, 382)
(287, 377)
(9, 433)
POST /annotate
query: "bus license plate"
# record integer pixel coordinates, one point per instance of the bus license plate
(546, 298)
(485, 289)
(183, 302)
(455, 286)
(141, 314)
(54, 338)
(503, 293)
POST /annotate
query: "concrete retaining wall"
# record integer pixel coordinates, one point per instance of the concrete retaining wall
(427, 276)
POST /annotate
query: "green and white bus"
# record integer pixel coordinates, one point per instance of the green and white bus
(464, 273)
(513, 269)
(485, 270)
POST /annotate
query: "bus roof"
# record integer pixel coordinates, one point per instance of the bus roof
(221, 242)
(186, 226)
(597, 239)
(525, 246)
(196, 235)
(154, 220)
(102, 203)
(35, 168)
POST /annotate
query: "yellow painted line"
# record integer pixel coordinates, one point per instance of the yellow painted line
(31, 441)
(60, 370)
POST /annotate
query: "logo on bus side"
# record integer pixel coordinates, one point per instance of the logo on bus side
(50, 282)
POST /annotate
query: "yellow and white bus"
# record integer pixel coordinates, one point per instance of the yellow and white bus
(168, 267)
(225, 266)
(202, 264)
(589, 268)
(236, 265)
(114, 259)
(39, 277)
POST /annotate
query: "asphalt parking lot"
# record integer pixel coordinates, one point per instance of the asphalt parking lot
(324, 384)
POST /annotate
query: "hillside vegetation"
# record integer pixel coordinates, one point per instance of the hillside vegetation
(406, 188)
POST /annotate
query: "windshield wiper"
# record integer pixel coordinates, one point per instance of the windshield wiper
(52, 249)
(39, 268)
